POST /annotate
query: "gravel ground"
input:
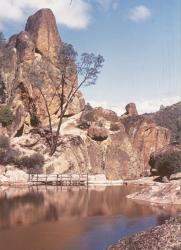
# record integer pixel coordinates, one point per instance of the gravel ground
(164, 237)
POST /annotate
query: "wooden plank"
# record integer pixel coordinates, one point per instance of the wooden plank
(60, 179)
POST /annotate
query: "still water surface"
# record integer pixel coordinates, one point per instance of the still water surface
(72, 219)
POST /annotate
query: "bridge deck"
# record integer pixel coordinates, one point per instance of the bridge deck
(59, 179)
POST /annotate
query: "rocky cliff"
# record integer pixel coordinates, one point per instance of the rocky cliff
(92, 139)
(39, 45)
(146, 136)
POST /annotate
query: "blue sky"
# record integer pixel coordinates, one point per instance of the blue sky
(139, 39)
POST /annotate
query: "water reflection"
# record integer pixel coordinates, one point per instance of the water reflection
(55, 218)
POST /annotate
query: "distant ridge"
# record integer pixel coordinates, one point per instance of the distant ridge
(168, 118)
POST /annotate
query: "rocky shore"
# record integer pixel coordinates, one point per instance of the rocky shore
(166, 236)
(160, 193)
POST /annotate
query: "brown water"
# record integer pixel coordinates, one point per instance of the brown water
(75, 219)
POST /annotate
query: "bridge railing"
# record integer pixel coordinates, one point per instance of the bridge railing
(59, 179)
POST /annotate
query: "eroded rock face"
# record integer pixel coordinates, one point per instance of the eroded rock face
(44, 33)
(25, 46)
(98, 133)
(38, 48)
(131, 109)
(146, 136)
(97, 116)
(121, 159)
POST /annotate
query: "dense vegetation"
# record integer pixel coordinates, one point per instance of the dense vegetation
(8, 155)
(6, 115)
(170, 117)
(166, 164)
(33, 163)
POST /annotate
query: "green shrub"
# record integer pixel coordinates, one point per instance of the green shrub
(178, 135)
(8, 156)
(6, 116)
(33, 163)
(167, 164)
(35, 121)
(4, 142)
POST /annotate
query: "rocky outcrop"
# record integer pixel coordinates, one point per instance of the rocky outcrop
(146, 136)
(121, 159)
(131, 109)
(97, 116)
(44, 33)
(162, 193)
(79, 152)
(36, 50)
(98, 133)
(98, 141)
(165, 237)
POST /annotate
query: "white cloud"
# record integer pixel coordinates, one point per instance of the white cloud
(154, 105)
(139, 14)
(108, 4)
(75, 15)
(143, 106)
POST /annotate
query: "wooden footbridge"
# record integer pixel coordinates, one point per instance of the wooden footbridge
(59, 179)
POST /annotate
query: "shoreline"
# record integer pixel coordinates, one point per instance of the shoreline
(166, 236)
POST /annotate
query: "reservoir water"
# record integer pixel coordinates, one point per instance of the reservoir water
(55, 218)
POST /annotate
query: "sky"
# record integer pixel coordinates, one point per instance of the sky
(139, 39)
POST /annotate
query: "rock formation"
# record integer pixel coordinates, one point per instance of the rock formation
(92, 139)
(44, 33)
(146, 136)
(131, 109)
(38, 48)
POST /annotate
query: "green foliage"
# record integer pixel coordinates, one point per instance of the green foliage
(4, 142)
(178, 137)
(2, 40)
(7, 154)
(169, 118)
(167, 164)
(33, 163)
(6, 116)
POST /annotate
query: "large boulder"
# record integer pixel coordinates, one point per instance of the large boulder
(98, 133)
(146, 136)
(71, 155)
(17, 175)
(121, 160)
(99, 116)
(175, 176)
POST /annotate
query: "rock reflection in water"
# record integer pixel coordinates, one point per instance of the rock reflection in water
(55, 218)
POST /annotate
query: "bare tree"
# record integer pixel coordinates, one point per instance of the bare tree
(74, 73)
